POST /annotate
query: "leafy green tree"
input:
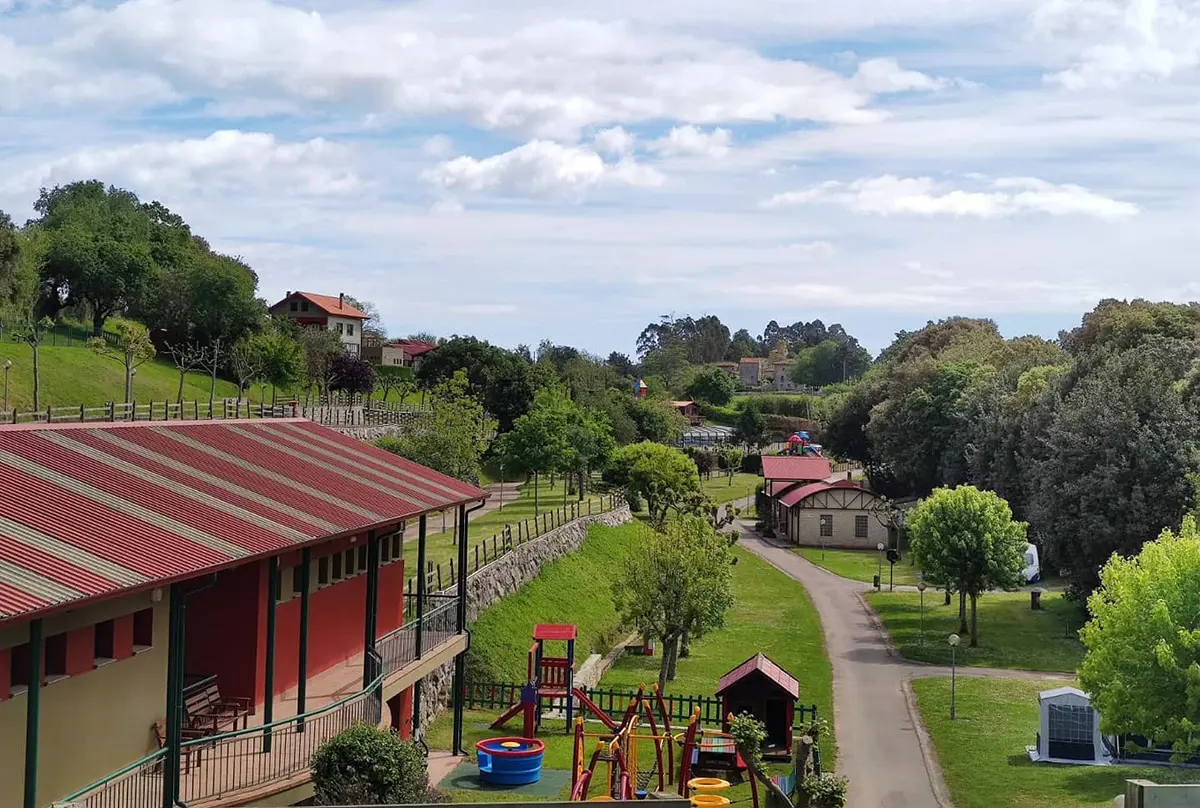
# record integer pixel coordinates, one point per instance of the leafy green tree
(452, 437)
(656, 420)
(742, 344)
(367, 765)
(502, 380)
(680, 584)
(712, 385)
(661, 476)
(1118, 325)
(621, 363)
(829, 362)
(18, 274)
(320, 349)
(1118, 461)
(539, 442)
(966, 539)
(751, 426)
(131, 347)
(396, 378)
(589, 443)
(1142, 666)
(33, 334)
(615, 405)
(669, 363)
(282, 358)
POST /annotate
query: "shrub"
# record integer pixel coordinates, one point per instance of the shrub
(825, 790)
(752, 463)
(366, 765)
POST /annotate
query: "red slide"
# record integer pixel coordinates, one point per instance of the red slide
(589, 705)
(508, 716)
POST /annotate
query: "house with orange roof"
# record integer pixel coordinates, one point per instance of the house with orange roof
(327, 313)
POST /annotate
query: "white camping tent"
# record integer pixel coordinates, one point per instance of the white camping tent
(1069, 729)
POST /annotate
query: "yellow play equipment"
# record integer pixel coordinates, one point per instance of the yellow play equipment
(621, 750)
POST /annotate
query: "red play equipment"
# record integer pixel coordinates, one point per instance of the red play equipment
(553, 679)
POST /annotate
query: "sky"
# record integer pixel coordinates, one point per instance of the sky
(574, 169)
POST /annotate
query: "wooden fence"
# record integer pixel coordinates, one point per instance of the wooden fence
(148, 411)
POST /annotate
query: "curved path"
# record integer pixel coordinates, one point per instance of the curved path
(882, 747)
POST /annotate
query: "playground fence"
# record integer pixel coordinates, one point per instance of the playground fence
(501, 695)
(489, 549)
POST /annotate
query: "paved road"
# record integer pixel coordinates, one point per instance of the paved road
(879, 745)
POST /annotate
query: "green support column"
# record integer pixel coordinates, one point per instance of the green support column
(460, 660)
(269, 677)
(174, 709)
(302, 671)
(372, 607)
(33, 713)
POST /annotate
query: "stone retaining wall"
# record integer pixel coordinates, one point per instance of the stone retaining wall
(501, 578)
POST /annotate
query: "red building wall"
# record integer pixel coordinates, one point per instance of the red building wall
(222, 630)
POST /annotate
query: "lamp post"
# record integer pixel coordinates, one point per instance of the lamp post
(921, 589)
(7, 374)
(953, 640)
(879, 578)
(501, 486)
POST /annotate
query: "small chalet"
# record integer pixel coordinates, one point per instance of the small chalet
(830, 514)
(326, 313)
(689, 410)
(406, 353)
(766, 691)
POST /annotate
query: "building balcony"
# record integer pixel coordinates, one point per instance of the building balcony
(249, 765)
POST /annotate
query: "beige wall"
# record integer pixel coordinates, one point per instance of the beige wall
(91, 724)
(347, 322)
(804, 527)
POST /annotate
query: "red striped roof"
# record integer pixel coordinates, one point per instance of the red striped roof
(797, 495)
(761, 663)
(90, 510)
(787, 467)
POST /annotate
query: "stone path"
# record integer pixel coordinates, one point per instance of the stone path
(882, 747)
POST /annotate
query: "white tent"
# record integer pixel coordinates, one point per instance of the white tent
(1069, 729)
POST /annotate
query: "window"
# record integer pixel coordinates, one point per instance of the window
(18, 667)
(397, 546)
(297, 583)
(350, 568)
(56, 657)
(103, 640)
(323, 571)
(350, 329)
(826, 525)
(362, 557)
(143, 630)
(295, 306)
(341, 328)
(385, 551)
(337, 566)
(860, 527)
(303, 305)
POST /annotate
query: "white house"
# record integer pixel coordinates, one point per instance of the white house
(323, 311)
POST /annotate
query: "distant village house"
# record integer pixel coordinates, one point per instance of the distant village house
(328, 313)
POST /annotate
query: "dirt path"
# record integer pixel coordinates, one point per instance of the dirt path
(882, 747)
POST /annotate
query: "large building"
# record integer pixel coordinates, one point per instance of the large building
(165, 585)
(327, 313)
(840, 514)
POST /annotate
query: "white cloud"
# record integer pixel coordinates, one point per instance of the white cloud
(614, 141)
(694, 142)
(814, 250)
(438, 146)
(879, 76)
(540, 168)
(228, 159)
(1008, 196)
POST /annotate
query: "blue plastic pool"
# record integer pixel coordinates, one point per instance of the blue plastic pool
(509, 761)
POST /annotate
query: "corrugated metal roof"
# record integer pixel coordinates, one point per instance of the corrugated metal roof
(761, 663)
(797, 495)
(89, 510)
(795, 468)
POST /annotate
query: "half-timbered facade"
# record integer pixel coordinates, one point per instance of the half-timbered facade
(831, 514)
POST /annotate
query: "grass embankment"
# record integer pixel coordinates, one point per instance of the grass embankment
(1011, 634)
(859, 565)
(772, 613)
(73, 376)
(982, 752)
(721, 488)
(440, 547)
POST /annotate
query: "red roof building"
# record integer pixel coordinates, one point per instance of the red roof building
(796, 469)
(242, 557)
(326, 313)
(766, 691)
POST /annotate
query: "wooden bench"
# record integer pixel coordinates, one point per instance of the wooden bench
(208, 711)
(188, 756)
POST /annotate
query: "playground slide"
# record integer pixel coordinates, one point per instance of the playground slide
(512, 712)
(589, 705)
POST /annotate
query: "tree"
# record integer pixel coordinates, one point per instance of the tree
(741, 345)
(186, 358)
(321, 348)
(1142, 667)
(712, 385)
(589, 442)
(621, 363)
(502, 380)
(245, 363)
(680, 583)
(751, 426)
(656, 420)
(32, 334)
(539, 440)
(829, 362)
(397, 378)
(451, 437)
(373, 325)
(367, 765)
(668, 363)
(214, 361)
(131, 347)
(352, 375)
(282, 358)
(966, 539)
(662, 476)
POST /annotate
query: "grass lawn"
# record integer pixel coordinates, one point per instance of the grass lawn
(720, 490)
(859, 565)
(1011, 634)
(74, 376)
(439, 545)
(982, 752)
(772, 614)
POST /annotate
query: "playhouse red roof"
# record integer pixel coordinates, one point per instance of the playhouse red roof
(762, 664)
(797, 495)
(554, 631)
(94, 509)
(796, 468)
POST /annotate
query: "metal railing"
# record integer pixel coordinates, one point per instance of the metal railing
(217, 765)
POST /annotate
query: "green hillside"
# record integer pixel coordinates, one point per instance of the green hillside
(73, 376)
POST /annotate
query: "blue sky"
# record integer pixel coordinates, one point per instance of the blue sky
(574, 169)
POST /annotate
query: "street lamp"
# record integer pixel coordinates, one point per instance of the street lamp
(879, 577)
(921, 589)
(953, 640)
(7, 373)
